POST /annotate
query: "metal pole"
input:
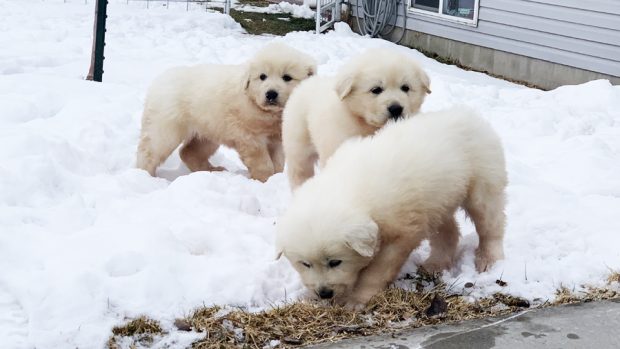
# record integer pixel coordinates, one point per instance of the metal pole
(337, 11)
(96, 64)
(318, 17)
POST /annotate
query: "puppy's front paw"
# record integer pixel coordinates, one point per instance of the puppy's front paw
(355, 305)
(262, 175)
(436, 265)
(485, 258)
(357, 300)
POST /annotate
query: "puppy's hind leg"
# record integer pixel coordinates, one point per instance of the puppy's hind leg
(485, 206)
(299, 150)
(196, 152)
(444, 243)
(157, 142)
(300, 167)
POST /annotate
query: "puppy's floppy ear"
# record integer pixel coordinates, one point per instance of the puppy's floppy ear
(364, 238)
(279, 249)
(245, 80)
(310, 65)
(425, 80)
(344, 84)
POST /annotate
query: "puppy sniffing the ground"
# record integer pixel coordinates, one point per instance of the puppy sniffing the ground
(239, 106)
(349, 230)
(323, 112)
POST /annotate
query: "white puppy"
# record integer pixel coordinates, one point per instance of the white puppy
(349, 230)
(371, 89)
(239, 106)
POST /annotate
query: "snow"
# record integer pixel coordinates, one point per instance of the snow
(87, 240)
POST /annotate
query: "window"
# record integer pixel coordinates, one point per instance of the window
(464, 11)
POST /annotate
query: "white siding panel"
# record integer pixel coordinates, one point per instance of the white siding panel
(603, 6)
(530, 22)
(579, 33)
(559, 13)
(573, 59)
(591, 48)
(597, 48)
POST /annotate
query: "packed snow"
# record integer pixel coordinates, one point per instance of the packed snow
(87, 240)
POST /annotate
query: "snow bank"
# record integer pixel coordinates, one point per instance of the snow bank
(87, 240)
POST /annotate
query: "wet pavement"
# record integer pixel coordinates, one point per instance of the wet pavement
(584, 325)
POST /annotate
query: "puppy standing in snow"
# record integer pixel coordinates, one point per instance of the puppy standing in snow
(350, 229)
(323, 112)
(239, 106)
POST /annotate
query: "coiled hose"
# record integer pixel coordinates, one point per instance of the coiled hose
(379, 17)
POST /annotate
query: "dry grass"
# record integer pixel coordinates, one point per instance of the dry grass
(304, 323)
(565, 295)
(428, 303)
(614, 277)
(257, 3)
(271, 23)
(140, 331)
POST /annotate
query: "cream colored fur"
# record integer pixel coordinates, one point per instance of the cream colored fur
(325, 111)
(208, 105)
(378, 197)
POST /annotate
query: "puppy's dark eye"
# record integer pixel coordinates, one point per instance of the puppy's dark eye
(376, 90)
(334, 263)
(306, 264)
(287, 77)
(404, 88)
(262, 77)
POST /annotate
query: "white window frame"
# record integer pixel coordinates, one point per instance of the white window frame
(470, 22)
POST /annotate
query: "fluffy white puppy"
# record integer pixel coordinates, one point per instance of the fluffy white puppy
(374, 87)
(349, 230)
(239, 106)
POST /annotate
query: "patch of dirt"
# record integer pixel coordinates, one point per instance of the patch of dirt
(271, 23)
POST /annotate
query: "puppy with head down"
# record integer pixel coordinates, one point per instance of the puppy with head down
(350, 229)
(377, 86)
(209, 105)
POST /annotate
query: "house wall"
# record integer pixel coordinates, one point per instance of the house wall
(579, 40)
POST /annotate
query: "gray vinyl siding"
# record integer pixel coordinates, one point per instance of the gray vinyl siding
(578, 33)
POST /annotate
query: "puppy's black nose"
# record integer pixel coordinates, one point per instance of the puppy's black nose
(326, 293)
(271, 95)
(395, 111)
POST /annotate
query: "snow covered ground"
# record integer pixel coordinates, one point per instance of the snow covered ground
(87, 240)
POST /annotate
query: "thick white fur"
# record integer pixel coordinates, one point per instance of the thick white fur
(208, 105)
(325, 111)
(379, 197)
